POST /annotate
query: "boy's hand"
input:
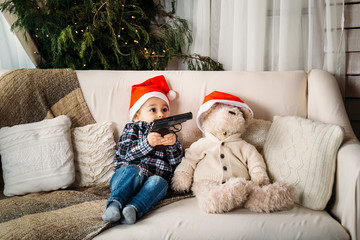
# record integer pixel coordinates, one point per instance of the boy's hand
(168, 139)
(155, 139)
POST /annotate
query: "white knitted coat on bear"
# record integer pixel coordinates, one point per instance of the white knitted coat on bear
(212, 159)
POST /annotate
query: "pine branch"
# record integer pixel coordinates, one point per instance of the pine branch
(201, 63)
(106, 34)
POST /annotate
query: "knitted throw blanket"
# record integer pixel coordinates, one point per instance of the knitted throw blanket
(31, 95)
(61, 214)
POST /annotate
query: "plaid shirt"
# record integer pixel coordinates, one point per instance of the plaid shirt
(133, 148)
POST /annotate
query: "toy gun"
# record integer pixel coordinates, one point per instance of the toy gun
(163, 125)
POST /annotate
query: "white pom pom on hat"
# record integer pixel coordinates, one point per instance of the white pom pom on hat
(220, 97)
(153, 87)
(171, 95)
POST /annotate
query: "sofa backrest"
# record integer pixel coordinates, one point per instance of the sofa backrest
(267, 93)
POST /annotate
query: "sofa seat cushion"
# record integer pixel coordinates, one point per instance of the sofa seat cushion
(184, 220)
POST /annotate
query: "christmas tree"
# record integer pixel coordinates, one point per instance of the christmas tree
(106, 34)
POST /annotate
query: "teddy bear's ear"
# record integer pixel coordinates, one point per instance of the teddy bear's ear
(204, 115)
(247, 114)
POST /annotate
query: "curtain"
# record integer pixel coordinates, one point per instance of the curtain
(269, 35)
(251, 35)
(12, 53)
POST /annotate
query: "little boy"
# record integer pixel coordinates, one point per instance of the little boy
(142, 172)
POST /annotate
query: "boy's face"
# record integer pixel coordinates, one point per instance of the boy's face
(153, 108)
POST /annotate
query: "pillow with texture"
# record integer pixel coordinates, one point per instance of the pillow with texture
(303, 153)
(37, 156)
(256, 133)
(94, 152)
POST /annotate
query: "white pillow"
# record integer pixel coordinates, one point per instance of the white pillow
(37, 156)
(303, 153)
(94, 152)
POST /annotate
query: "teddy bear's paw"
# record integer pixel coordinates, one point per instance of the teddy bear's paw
(237, 188)
(235, 193)
(219, 198)
(181, 181)
(205, 192)
(209, 203)
(204, 187)
(260, 177)
(270, 198)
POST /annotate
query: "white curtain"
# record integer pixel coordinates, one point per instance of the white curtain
(12, 53)
(251, 35)
(269, 35)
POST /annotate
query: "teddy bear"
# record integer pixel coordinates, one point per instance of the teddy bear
(224, 171)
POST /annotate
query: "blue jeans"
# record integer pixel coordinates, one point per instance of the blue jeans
(129, 187)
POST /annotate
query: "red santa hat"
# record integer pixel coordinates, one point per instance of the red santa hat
(220, 97)
(153, 87)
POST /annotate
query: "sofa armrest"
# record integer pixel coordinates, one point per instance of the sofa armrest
(326, 104)
(345, 202)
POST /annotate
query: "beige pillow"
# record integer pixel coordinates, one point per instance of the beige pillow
(37, 156)
(303, 153)
(94, 151)
(256, 133)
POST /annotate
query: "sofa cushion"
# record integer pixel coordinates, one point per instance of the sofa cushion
(185, 220)
(108, 96)
(37, 156)
(303, 152)
(94, 151)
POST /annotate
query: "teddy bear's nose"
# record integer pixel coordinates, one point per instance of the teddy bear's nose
(232, 113)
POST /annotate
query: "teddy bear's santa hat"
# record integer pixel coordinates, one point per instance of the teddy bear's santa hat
(220, 97)
(153, 87)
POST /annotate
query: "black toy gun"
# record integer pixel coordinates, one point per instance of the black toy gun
(163, 125)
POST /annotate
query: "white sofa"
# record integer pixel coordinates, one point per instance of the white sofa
(314, 95)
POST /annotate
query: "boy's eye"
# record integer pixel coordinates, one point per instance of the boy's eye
(164, 110)
(152, 110)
